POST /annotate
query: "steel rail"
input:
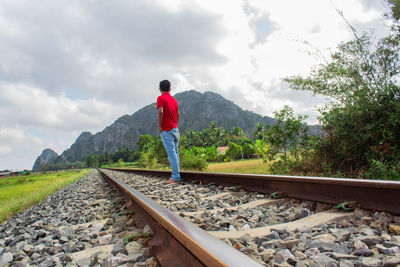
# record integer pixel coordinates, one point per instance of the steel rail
(177, 242)
(369, 194)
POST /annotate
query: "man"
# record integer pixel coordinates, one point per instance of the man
(168, 117)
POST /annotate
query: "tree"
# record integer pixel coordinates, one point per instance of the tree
(259, 131)
(394, 7)
(211, 136)
(154, 152)
(261, 149)
(92, 161)
(207, 153)
(238, 132)
(362, 121)
(288, 133)
(121, 153)
(218, 134)
(234, 151)
(191, 138)
(143, 141)
(247, 147)
(105, 158)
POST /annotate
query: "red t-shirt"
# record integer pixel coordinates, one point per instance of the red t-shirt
(170, 111)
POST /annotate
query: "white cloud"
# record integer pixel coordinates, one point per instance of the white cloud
(11, 134)
(113, 50)
(33, 120)
(254, 68)
(4, 149)
(24, 105)
(17, 148)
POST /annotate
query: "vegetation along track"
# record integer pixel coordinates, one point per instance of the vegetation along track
(287, 231)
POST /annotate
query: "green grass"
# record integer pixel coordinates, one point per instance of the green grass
(21, 192)
(252, 166)
(134, 164)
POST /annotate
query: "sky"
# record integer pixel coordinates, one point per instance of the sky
(68, 66)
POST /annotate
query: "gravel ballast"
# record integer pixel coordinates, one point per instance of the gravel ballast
(364, 238)
(84, 223)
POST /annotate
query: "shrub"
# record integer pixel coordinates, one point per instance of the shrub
(121, 163)
(207, 153)
(234, 151)
(285, 165)
(190, 161)
(379, 170)
(147, 160)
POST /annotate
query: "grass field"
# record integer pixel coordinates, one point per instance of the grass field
(241, 166)
(21, 192)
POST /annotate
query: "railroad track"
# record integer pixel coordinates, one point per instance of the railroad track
(296, 224)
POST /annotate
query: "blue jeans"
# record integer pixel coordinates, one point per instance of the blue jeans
(170, 140)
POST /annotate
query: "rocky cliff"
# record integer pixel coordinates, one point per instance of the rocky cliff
(47, 156)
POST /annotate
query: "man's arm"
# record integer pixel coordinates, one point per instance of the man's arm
(178, 115)
(160, 117)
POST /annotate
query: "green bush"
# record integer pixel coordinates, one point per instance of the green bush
(379, 170)
(234, 151)
(284, 166)
(147, 160)
(120, 163)
(207, 153)
(190, 161)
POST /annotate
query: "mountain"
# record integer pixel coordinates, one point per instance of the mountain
(47, 156)
(197, 110)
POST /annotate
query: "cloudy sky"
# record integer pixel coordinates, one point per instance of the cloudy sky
(68, 66)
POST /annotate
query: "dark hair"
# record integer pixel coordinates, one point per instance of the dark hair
(165, 85)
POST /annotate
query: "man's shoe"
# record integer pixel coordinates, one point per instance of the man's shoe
(171, 181)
